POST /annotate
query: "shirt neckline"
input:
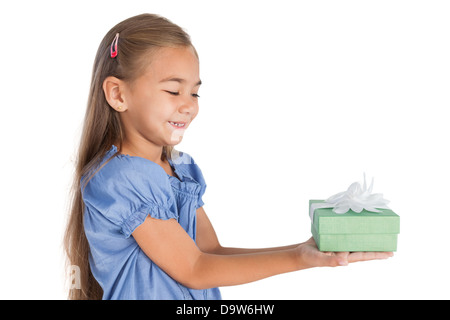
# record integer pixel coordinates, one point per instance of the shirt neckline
(179, 176)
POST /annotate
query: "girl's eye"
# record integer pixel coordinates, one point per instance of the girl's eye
(174, 93)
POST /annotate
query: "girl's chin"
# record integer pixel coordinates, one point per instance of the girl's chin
(176, 136)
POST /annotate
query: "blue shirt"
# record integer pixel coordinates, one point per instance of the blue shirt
(117, 200)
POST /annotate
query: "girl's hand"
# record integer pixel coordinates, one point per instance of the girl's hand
(310, 256)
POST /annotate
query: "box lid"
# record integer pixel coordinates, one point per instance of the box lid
(365, 222)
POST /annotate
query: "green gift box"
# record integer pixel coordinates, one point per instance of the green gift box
(352, 231)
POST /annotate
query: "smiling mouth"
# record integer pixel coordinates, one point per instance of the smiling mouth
(178, 125)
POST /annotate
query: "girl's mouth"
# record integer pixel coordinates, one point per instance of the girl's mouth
(177, 125)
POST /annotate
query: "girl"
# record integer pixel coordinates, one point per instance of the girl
(137, 228)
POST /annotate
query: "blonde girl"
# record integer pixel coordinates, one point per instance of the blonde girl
(137, 228)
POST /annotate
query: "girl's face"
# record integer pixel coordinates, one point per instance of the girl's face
(161, 104)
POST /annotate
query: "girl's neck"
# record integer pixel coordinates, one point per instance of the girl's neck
(149, 152)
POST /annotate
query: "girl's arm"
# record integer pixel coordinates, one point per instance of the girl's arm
(207, 242)
(167, 244)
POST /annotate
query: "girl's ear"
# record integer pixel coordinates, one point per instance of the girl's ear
(113, 89)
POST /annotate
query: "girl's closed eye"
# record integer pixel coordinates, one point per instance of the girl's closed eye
(176, 93)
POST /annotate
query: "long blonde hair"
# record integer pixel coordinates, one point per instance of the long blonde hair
(139, 37)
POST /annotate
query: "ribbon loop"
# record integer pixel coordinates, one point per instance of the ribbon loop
(356, 198)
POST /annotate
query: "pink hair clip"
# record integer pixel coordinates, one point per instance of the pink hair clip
(114, 46)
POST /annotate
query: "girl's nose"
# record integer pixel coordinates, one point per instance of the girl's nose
(189, 105)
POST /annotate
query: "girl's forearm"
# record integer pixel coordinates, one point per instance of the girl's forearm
(213, 270)
(231, 250)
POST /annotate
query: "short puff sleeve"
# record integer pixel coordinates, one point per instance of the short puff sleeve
(128, 189)
(188, 167)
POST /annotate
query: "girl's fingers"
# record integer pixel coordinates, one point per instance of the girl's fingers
(364, 256)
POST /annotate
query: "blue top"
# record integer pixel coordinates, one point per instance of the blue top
(117, 200)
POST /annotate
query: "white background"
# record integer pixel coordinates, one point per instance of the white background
(299, 99)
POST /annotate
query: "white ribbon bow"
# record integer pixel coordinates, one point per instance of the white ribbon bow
(356, 198)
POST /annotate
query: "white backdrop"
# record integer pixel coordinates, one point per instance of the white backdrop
(299, 99)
